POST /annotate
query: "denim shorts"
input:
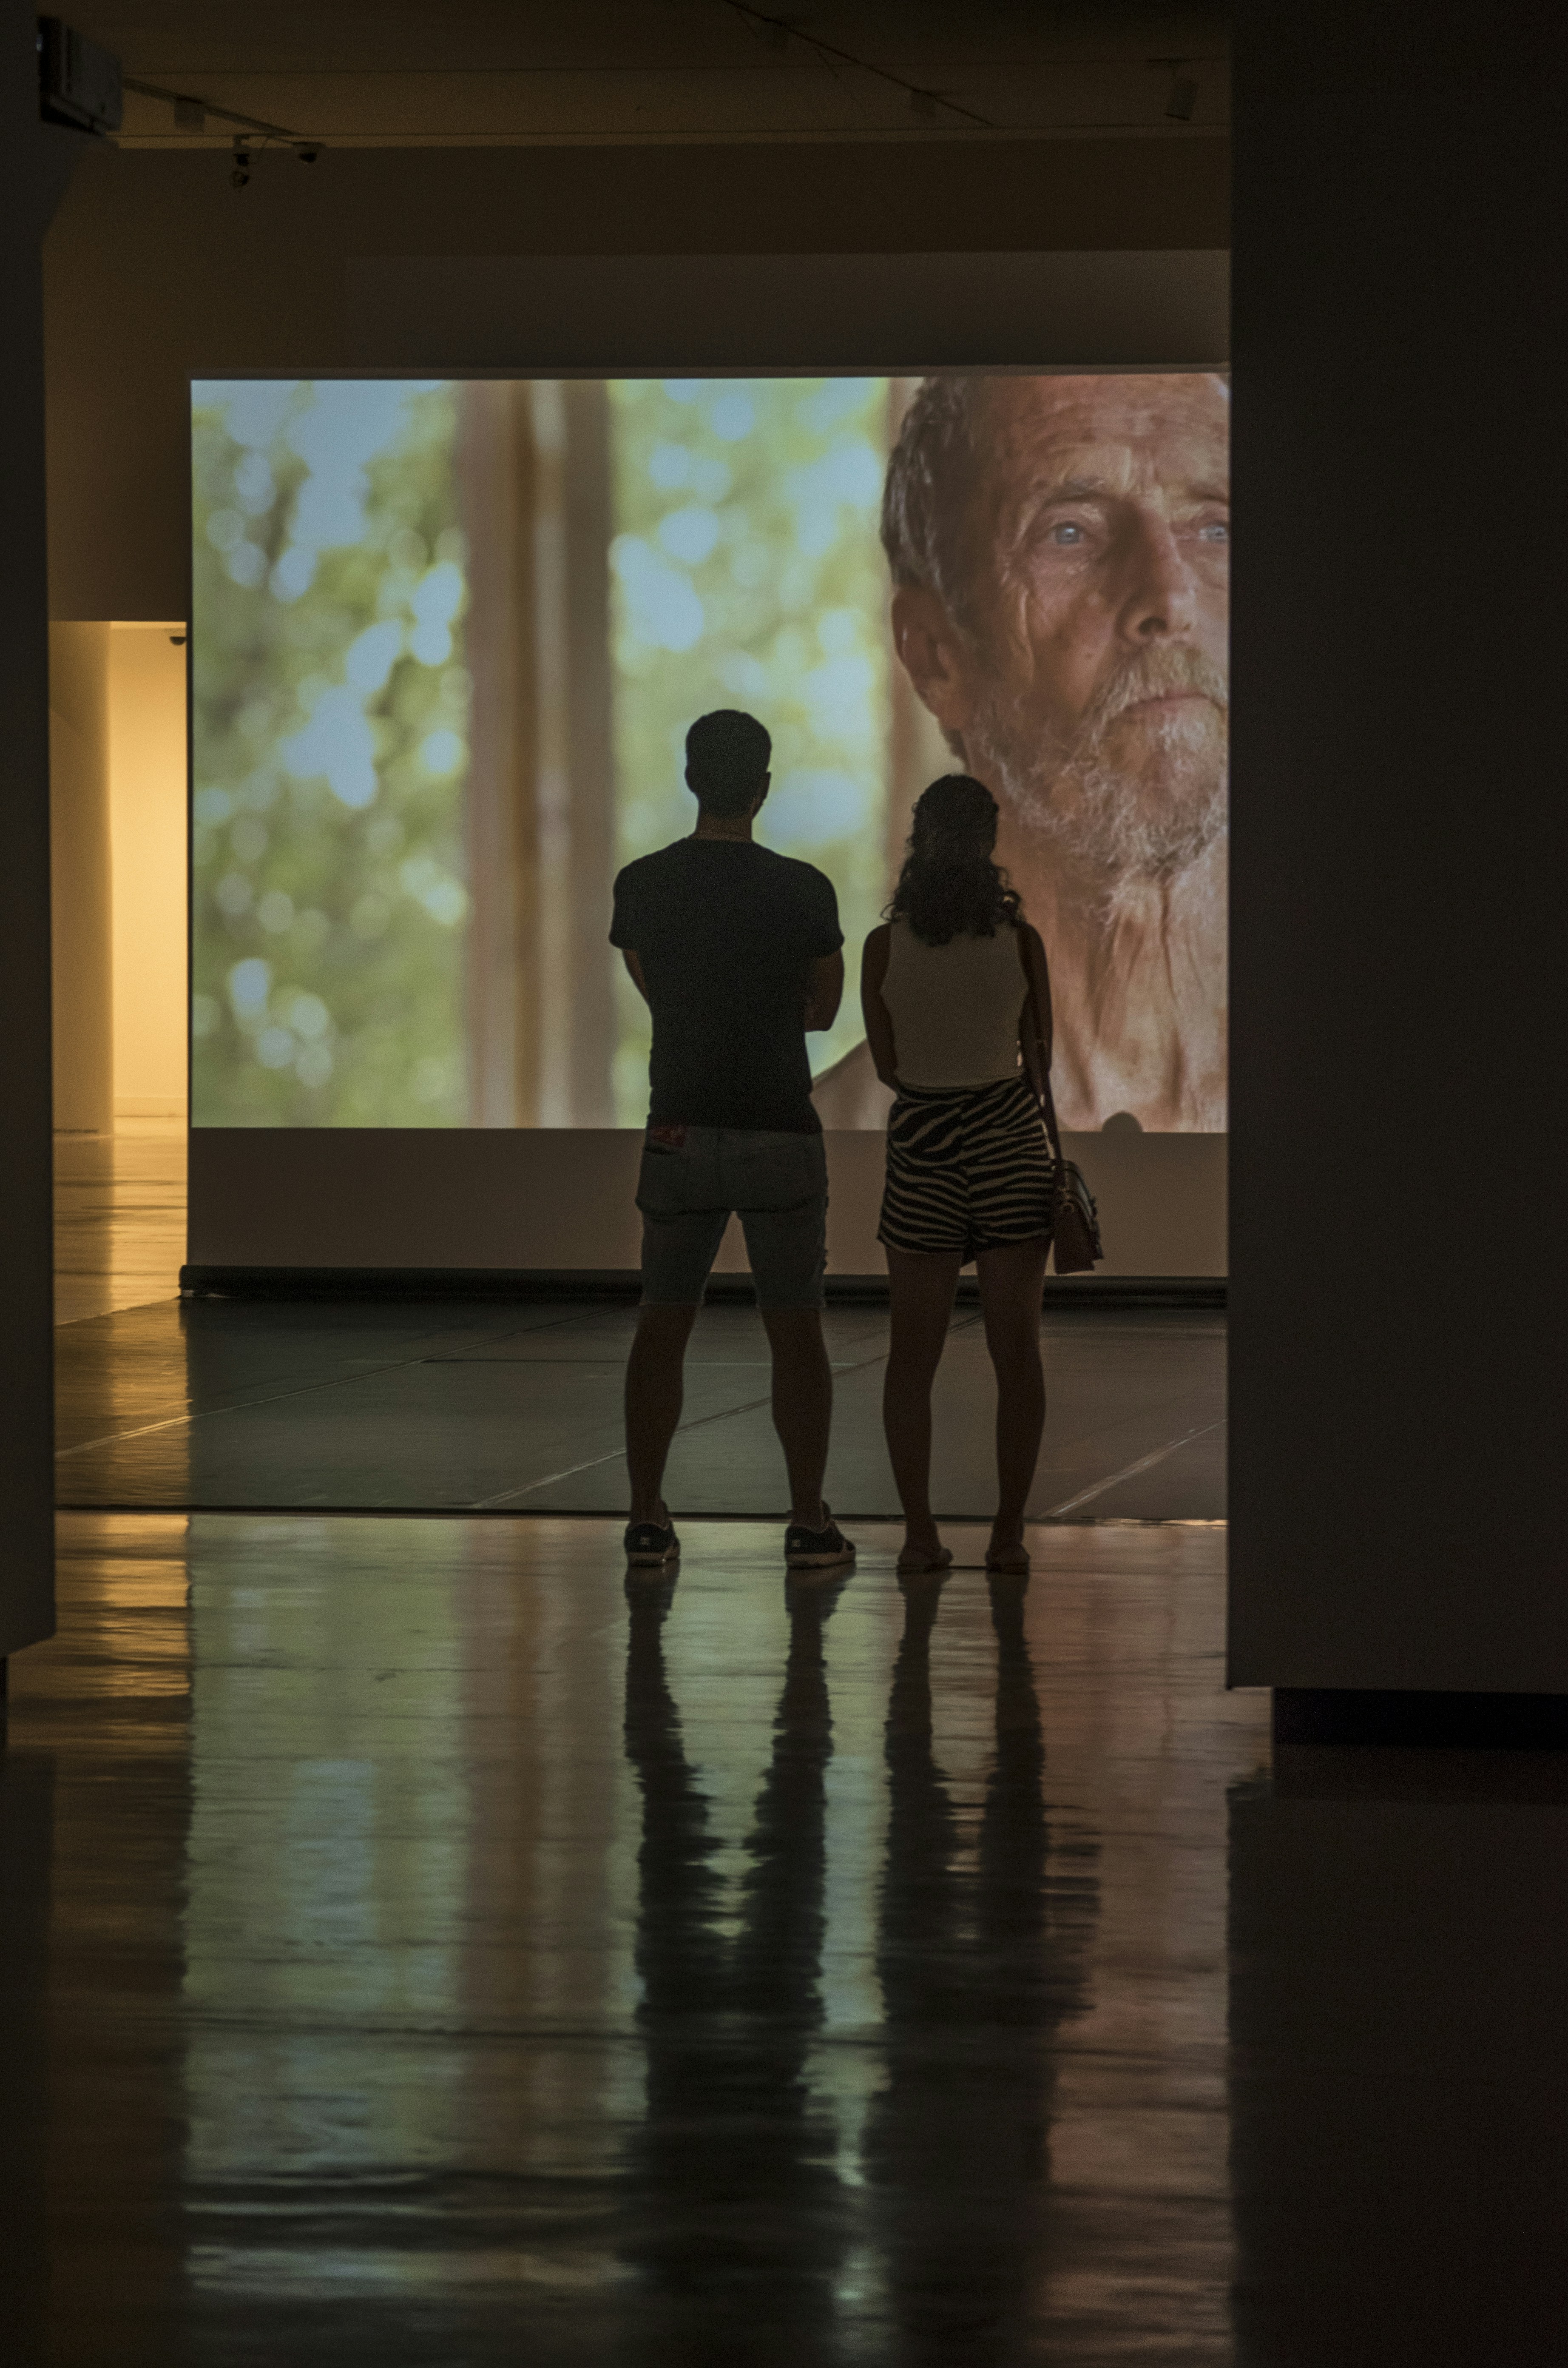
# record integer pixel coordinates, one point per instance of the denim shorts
(692, 1178)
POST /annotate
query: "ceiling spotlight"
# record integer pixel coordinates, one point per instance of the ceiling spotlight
(1182, 96)
(307, 155)
(239, 177)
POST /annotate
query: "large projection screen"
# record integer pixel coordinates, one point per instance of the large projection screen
(447, 633)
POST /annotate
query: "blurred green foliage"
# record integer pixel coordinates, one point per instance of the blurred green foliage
(747, 572)
(332, 702)
(330, 731)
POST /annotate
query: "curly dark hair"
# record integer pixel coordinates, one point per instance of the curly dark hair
(949, 887)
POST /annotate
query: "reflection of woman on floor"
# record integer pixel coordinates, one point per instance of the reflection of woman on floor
(957, 1017)
(981, 1946)
(740, 2227)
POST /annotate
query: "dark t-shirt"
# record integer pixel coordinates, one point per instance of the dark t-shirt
(726, 932)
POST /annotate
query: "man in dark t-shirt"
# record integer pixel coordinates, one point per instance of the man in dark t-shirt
(738, 952)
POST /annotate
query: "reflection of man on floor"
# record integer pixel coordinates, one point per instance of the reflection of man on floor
(1060, 554)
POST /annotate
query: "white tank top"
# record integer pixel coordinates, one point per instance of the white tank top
(955, 1009)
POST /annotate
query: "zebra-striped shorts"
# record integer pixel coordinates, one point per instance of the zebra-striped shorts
(969, 1170)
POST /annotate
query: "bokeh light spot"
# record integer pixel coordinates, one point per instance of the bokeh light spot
(250, 983)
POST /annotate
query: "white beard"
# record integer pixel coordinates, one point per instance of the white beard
(1125, 824)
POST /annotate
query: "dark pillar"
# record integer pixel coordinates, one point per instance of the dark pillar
(1400, 1251)
(34, 166)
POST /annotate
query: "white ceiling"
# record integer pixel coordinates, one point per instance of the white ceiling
(518, 72)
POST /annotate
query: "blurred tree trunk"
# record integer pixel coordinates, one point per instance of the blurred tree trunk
(534, 459)
(495, 471)
(590, 752)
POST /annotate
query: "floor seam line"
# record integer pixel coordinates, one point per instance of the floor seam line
(504, 1496)
(303, 1389)
(206, 1413)
(1128, 1471)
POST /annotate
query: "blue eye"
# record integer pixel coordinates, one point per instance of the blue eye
(1217, 531)
(1066, 533)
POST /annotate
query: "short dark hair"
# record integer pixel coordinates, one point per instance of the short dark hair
(727, 755)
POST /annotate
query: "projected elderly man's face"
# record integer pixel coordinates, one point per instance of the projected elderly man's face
(1079, 659)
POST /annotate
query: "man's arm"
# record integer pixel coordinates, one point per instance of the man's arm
(824, 990)
(879, 1021)
(634, 970)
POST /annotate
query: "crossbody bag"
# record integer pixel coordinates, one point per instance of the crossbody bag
(1075, 1219)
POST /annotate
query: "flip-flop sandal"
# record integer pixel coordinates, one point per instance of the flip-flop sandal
(1013, 1562)
(927, 1567)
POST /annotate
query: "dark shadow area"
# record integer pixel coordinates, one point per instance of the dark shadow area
(1398, 2064)
(1372, 1716)
(94, 1806)
(1326, 1772)
(27, 1841)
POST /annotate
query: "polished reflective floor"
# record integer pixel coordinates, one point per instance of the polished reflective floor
(118, 1217)
(493, 1406)
(467, 1406)
(425, 1946)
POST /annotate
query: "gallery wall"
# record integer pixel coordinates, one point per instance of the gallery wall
(36, 161)
(562, 1199)
(156, 269)
(147, 850)
(1400, 1264)
(1108, 252)
(81, 895)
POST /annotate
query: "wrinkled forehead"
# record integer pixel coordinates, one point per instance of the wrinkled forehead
(1142, 430)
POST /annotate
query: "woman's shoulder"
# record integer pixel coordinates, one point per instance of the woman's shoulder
(880, 936)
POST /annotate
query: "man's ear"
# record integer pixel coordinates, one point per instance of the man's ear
(933, 655)
(766, 784)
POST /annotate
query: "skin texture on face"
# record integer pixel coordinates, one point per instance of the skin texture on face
(1072, 643)
(1085, 676)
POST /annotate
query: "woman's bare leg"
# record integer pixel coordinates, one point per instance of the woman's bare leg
(920, 1295)
(1010, 1287)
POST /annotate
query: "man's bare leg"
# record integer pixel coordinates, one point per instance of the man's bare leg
(802, 1405)
(654, 1392)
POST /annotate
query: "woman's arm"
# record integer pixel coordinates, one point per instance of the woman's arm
(878, 1024)
(1035, 1026)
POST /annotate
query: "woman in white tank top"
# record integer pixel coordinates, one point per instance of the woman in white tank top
(956, 1001)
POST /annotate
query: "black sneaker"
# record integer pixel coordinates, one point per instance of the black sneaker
(821, 1549)
(651, 1544)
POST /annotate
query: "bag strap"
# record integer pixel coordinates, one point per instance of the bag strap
(1052, 1132)
(1045, 1097)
